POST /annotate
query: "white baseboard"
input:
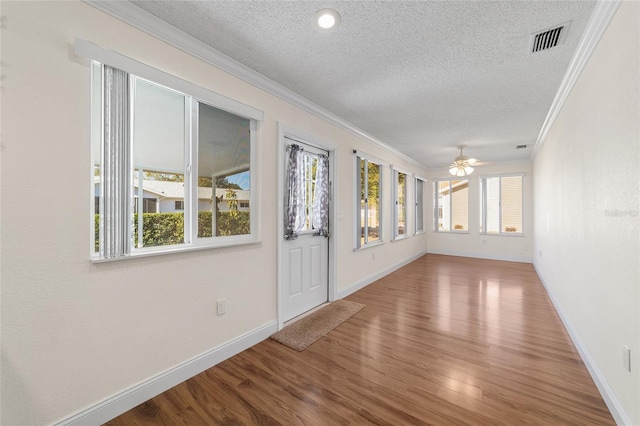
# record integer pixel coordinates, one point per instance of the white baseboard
(609, 397)
(482, 256)
(114, 406)
(375, 277)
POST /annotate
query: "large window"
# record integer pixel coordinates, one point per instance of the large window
(502, 205)
(170, 168)
(451, 205)
(419, 213)
(399, 204)
(368, 188)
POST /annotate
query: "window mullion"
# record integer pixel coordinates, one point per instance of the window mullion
(438, 202)
(190, 202)
(140, 177)
(450, 205)
(500, 205)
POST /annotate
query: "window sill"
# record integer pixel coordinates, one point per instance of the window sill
(374, 244)
(400, 238)
(503, 234)
(181, 248)
(451, 232)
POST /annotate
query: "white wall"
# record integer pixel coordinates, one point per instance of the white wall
(73, 332)
(474, 244)
(586, 209)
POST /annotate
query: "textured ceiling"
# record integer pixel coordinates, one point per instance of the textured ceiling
(420, 76)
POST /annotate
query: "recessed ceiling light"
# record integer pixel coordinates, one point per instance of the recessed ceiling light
(327, 18)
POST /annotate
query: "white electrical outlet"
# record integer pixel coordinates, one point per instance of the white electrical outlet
(626, 358)
(222, 307)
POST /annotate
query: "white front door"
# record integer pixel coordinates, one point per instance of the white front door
(305, 260)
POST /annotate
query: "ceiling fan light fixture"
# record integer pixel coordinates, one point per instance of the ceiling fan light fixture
(327, 19)
(461, 165)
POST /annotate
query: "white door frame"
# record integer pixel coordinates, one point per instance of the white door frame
(303, 137)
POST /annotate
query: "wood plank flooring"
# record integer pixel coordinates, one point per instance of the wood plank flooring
(442, 341)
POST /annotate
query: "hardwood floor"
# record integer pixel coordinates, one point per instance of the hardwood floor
(442, 341)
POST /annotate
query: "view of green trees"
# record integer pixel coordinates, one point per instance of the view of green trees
(160, 229)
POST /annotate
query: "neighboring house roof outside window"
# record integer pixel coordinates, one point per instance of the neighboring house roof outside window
(169, 190)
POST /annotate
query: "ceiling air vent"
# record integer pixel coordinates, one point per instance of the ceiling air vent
(546, 39)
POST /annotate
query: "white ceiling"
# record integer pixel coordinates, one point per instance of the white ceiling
(420, 76)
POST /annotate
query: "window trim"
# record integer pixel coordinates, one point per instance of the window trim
(356, 185)
(436, 228)
(395, 171)
(94, 52)
(417, 178)
(483, 205)
(192, 93)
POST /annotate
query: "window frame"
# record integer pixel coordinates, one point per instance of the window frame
(193, 93)
(395, 174)
(418, 204)
(436, 228)
(358, 244)
(483, 204)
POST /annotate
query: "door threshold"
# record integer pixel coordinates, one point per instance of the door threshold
(304, 314)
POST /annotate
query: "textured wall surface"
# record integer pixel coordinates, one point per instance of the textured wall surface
(73, 332)
(586, 207)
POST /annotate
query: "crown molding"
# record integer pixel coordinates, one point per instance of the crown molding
(596, 27)
(156, 27)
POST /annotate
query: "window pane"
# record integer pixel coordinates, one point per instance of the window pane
(444, 206)
(419, 206)
(158, 148)
(512, 204)
(460, 205)
(362, 190)
(373, 205)
(492, 187)
(402, 209)
(224, 166)
(141, 134)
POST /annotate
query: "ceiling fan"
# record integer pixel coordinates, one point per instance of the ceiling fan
(461, 165)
